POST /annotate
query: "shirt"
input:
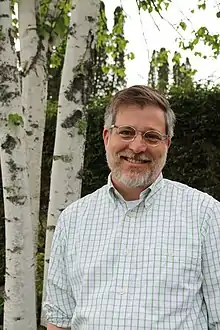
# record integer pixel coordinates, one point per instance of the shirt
(155, 266)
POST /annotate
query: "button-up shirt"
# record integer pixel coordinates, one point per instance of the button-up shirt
(155, 266)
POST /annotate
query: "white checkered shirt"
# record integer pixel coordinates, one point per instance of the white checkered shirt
(156, 266)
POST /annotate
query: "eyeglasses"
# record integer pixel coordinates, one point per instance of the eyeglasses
(129, 133)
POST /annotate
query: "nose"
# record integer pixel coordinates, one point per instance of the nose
(138, 145)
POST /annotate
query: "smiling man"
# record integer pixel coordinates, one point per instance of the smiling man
(142, 252)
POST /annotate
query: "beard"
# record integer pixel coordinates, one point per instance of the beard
(135, 178)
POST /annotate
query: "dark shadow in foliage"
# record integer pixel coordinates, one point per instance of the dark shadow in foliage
(95, 166)
(194, 157)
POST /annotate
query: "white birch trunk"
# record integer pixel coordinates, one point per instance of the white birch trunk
(33, 54)
(19, 305)
(68, 156)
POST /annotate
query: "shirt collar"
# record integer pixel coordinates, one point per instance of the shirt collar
(149, 191)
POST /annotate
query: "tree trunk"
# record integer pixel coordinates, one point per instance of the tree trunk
(68, 156)
(19, 305)
(33, 54)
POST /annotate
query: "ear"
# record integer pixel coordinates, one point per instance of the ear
(105, 135)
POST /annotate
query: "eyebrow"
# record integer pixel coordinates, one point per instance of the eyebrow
(144, 130)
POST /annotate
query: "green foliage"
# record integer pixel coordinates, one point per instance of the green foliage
(15, 119)
(183, 25)
(200, 35)
(203, 34)
(54, 27)
(156, 5)
(81, 125)
(159, 72)
(108, 58)
(194, 157)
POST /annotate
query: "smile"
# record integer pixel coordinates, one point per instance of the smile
(135, 161)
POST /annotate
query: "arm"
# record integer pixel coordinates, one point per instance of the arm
(59, 304)
(211, 266)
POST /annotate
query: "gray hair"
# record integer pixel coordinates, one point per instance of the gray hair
(140, 95)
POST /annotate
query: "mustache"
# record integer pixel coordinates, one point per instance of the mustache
(137, 157)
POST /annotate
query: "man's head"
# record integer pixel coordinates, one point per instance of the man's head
(136, 159)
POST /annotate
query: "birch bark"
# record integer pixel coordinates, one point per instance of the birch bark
(19, 304)
(33, 54)
(71, 118)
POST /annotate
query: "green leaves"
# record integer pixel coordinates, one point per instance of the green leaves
(15, 119)
(200, 35)
(54, 22)
(183, 25)
(156, 5)
(202, 5)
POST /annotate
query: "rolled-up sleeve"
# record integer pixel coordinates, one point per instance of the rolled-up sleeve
(211, 267)
(59, 303)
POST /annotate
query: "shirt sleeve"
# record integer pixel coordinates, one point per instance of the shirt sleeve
(211, 267)
(59, 303)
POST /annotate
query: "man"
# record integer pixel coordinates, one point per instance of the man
(142, 252)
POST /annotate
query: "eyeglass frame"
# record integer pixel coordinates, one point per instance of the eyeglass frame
(163, 136)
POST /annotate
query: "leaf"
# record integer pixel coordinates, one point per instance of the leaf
(15, 119)
(198, 54)
(202, 6)
(218, 14)
(183, 25)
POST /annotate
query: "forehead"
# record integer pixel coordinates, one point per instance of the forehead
(147, 117)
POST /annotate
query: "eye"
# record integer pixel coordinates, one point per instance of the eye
(126, 132)
(153, 136)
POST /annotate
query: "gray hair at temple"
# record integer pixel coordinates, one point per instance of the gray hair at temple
(142, 96)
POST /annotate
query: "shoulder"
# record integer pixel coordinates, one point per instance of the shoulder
(192, 195)
(89, 201)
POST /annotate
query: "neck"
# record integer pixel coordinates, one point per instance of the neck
(129, 194)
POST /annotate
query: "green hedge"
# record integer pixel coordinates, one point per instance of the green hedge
(194, 157)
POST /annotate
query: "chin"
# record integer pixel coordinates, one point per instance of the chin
(135, 181)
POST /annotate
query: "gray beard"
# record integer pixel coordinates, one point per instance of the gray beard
(135, 179)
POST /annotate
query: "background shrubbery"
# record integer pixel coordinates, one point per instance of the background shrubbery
(194, 157)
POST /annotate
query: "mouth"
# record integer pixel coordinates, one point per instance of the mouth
(135, 161)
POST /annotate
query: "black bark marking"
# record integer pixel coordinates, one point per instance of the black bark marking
(75, 86)
(72, 119)
(72, 30)
(64, 158)
(51, 228)
(16, 249)
(80, 174)
(91, 19)
(17, 200)
(9, 144)
(29, 133)
(34, 125)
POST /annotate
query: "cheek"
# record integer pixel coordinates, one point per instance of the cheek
(115, 147)
(158, 153)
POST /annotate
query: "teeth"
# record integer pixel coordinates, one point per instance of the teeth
(131, 160)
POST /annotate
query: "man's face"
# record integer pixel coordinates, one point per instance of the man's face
(136, 163)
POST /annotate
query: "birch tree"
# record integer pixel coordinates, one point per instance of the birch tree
(37, 33)
(33, 55)
(71, 118)
(19, 306)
